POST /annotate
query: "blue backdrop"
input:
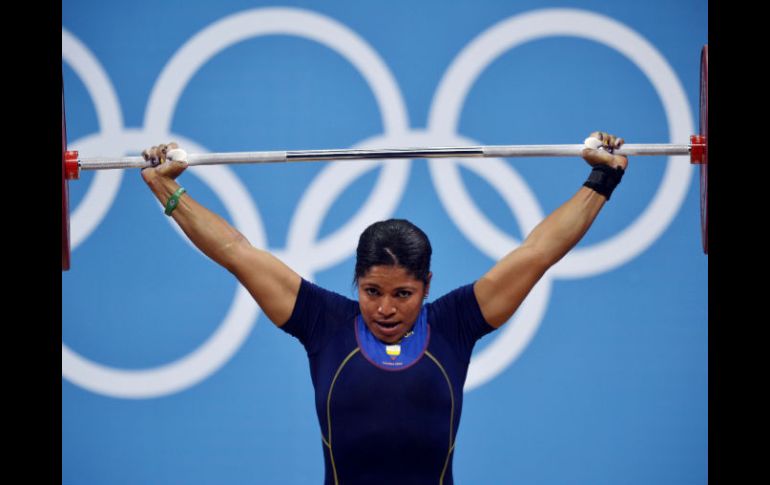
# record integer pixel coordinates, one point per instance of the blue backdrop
(170, 374)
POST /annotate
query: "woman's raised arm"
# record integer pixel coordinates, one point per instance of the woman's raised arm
(503, 288)
(272, 284)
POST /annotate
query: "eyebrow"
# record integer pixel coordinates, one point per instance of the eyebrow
(399, 288)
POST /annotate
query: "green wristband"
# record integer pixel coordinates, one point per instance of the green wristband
(173, 201)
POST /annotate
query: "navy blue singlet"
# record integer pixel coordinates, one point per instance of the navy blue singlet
(388, 414)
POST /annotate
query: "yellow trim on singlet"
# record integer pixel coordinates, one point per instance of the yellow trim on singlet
(329, 415)
(451, 415)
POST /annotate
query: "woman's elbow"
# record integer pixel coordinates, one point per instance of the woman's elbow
(234, 254)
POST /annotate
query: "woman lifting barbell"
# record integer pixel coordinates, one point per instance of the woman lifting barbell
(389, 369)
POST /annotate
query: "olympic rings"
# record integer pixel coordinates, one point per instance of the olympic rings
(304, 251)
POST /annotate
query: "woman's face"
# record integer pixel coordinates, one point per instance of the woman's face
(390, 299)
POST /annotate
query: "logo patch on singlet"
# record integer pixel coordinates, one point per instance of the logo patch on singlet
(393, 351)
(394, 356)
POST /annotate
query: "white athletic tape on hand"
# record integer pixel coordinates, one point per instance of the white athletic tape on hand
(590, 142)
(176, 154)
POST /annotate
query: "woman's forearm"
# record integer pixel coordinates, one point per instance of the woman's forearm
(208, 231)
(558, 233)
(503, 288)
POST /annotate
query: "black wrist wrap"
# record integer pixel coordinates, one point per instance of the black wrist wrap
(604, 179)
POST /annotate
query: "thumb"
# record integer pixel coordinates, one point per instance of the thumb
(596, 156)
(172, 169)
(175, 163)
(602, 157)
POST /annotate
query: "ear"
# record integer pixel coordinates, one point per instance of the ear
(427, 285)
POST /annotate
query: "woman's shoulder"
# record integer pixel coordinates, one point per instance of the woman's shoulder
(457, 314)
(322, 299)
(462, 295)
(318, 313)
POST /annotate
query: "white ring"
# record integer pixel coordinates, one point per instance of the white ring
(220, 346)
(517, 30)
(104, 187)
(274, 21)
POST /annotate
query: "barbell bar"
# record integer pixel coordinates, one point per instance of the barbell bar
(697, 150)
(74, 165)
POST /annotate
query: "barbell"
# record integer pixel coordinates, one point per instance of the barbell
(696, 149)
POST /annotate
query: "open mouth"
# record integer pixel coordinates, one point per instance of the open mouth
(387, 325)
(388, 331)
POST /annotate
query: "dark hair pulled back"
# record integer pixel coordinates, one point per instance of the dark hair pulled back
(395, 242)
